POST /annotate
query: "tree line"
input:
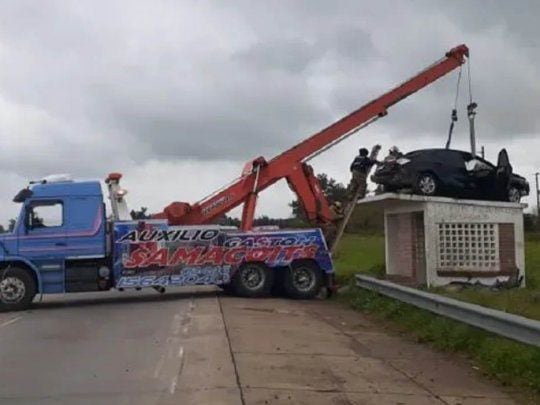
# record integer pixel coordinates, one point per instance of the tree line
(364, 219)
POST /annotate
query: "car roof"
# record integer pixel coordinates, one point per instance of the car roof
(437, 150)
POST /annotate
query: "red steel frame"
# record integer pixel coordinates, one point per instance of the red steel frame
(291, 165)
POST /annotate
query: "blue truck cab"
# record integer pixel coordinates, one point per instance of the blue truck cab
(65, 242)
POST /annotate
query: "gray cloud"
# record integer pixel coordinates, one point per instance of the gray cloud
(88, 86)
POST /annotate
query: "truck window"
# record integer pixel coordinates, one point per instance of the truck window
(45, 215)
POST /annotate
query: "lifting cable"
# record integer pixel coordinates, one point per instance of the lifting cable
(453, 116)
(469, 79)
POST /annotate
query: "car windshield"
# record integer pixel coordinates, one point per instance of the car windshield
(485, 162)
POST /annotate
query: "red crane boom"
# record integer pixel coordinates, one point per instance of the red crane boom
(291, 165)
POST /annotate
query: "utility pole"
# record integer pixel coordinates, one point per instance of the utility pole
(537, 197)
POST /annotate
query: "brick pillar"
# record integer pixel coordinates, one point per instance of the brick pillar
(507, 248)
(418, 246)
(401, 234)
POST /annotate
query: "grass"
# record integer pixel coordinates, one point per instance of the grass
(522, 301)
(359, 253)
(365, 254)
(509, 362)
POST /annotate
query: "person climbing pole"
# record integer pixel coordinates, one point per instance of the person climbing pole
(360, 168)
(356, 189)
(337, 210)
(330, 229)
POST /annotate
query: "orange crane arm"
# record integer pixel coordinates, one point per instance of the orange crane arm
(291, 164)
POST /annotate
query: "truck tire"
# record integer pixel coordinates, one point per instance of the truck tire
(17, 289)
(303, 280)
(253, 280)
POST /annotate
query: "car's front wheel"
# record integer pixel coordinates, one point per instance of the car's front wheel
(17, 289)
(426, 184)
(514, 195)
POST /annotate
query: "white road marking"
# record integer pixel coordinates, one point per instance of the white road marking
(6, 323)
(159, 365)
(176, 324)
(172, 387)
(171, 342)
(174, 382)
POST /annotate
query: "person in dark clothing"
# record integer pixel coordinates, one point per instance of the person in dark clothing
(360, 168)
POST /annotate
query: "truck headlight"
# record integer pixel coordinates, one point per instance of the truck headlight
(104, 272)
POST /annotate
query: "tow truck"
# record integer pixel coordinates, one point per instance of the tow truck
(64, 241)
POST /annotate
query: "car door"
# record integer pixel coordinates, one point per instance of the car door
(452, 173)
(483, 177)
(42, 240)
(503, 174)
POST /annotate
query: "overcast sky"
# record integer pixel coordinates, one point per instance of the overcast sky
(178, 95)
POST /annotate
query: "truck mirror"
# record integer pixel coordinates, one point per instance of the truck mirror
(22, 195)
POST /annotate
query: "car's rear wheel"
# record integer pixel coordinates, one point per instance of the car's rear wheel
(426, 184)
(514, 195)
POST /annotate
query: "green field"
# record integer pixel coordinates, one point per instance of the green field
(510, 362)
(365, 254)
(357, 253)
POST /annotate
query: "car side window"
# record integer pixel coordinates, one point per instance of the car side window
(477, 164)
(46, 214)
(486, 163)
(451, 158)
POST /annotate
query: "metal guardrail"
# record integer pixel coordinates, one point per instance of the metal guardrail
(515, 327)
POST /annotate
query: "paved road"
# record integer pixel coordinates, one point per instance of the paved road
(201, 348)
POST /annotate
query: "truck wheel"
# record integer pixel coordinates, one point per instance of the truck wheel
(253, 280)
(17, 289)
(303, 280)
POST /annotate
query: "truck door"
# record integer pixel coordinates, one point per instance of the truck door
(42, 240)
(85, 227)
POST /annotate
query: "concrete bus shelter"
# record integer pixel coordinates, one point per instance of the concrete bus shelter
(434, 241)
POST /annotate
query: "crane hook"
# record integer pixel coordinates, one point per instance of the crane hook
(453, 116)
(453, 119)
(471, 113)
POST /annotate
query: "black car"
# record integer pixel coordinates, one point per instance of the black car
(452, 173)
